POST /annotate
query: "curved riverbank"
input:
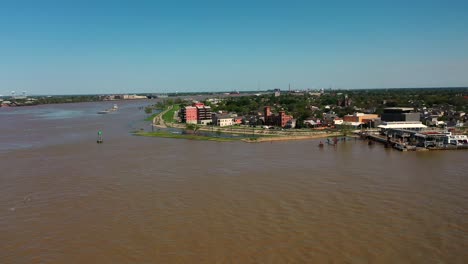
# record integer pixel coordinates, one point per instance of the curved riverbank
(165, 120)
(257, 139)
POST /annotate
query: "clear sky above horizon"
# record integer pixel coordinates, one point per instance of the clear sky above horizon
(70, 47)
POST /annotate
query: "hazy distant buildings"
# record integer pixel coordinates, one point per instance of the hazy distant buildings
(113, 97)
(277, 92)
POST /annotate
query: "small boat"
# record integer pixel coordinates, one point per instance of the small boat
(320, 144)
(104, 112)
(458, 140)
(400, 147)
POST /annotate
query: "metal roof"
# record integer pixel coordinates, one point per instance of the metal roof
(399, 108)
(402, 125)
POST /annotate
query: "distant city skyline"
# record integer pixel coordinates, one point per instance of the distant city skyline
(98, 47)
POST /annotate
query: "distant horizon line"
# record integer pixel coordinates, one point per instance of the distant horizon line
(234, 90)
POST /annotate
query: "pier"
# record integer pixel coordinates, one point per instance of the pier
(402, 145)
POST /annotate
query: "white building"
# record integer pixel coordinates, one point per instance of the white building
(205, 122)
(222, 120)
(225, 122)
(403, 125)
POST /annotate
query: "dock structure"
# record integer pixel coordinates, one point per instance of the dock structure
(413, 141)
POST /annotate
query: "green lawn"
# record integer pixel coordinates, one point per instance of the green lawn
(168, 117)
(150, 118)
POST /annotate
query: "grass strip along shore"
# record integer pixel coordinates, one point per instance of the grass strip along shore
(168, 116)
(266, 138)
(165, 134)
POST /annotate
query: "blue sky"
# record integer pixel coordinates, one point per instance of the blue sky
(68, 47)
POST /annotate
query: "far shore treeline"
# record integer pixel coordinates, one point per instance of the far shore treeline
(296, 102)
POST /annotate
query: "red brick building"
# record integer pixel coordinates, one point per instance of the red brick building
(280, 120)
(188, 114)
(195, 113)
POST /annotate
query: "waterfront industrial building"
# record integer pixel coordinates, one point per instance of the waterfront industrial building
(407, 125)
(395, 114)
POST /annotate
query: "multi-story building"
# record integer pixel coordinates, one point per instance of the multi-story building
(280, 120)
(223, 120)
(197, 113)
(188, 114)
(398, 114)
(203, 112)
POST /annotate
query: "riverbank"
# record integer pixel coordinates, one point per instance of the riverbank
(164, 134)
(257, 139)
(166, 119)
(160, 119)
(288, 138)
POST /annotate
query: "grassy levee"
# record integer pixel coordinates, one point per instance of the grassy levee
(168, 116)
(151, 117)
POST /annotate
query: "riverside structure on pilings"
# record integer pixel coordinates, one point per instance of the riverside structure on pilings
(405, 140)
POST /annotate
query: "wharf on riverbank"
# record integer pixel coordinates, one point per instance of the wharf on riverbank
(404, 146)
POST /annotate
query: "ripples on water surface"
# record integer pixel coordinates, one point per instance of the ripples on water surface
(147, 200)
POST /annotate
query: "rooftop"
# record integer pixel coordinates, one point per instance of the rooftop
(409, 124)
(400, 108)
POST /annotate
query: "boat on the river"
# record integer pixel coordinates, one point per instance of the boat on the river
(458, 140)
(400, 146)
(113, 109)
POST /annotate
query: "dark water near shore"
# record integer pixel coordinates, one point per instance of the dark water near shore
(66, 199)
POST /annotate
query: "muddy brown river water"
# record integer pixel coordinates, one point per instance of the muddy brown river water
(66, 199)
